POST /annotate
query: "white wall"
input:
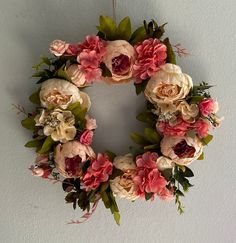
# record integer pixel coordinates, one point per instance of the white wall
(33, 210)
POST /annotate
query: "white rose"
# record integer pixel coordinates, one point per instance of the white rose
(70, 156)
(57, 123)
(123, 186)
(76, 75)
(119, 59)
(168, 85)
(61, 93)
(181, 150)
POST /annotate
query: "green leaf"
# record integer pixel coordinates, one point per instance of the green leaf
(78, 112)
(201, 157)
(34, 98)
(34, 144)
(117, 217)
(28, 123)
(104, 187)
(108, 27)
(135, 151)
(141, 87)
(110, 155)
(61, 73)
(46, 60)
(116, 172)
(147, 117)
(105, 71)
(153, 146)
(124, 29)
(138, 35)
(207, 139)
(148, 196)
(39, 74)
(170, 53)
(196, 99)
(191, 133)
(152, 136)
(105, 199)
(137, 138)
(47, 145)
(167, 173)
(187, 172)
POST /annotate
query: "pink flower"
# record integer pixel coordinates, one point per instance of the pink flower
(41, 159)
(202, 127)
(148, 179)
(86, 137)
(73, 50)
(89, 58)
(90, 123)
(41, 171)
(58, 47)
(166, 194)
(179, 129)
(91, 74)
(98, 172)
(208, 106)
(151, 54)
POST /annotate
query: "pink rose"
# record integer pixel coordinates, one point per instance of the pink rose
(151, 54)
(119, 59)
(86, 137)
(90, 123)
(148, 179)
(166, 194)
(208, 106)
(73, 50)
(202, 127)
(98, 172)
(41, 171)
(58, 47)
(178, 129)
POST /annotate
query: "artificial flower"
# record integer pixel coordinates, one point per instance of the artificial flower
(164, 163)
(166, 194)
(123, 186)
(181, 150)
(202, 127)
(41, 171)
(90, 123)
(77, 75)
(57, 123)
(168, 85)
(69, 158)
(42, 159)
(208, 106)
(86, 137)
(99, 171)
(188, 112)
(60, 93)
(58, 47)
(151, 54)
(119, 59)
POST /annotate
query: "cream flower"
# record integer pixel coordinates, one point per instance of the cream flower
(76, 75)
(70, 156)
(164, 163)
(119, 59)
(57, 123)
(60, 93)
(188, 112)
(123, 186)
(181, 150)
(168, 85)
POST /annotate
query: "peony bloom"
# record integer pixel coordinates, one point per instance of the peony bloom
(119, 59)
(90, 56)
(168, 85)
(77, 75)
(179, 128)
(202, 127)
(181, 150)
(58, 47)
(60, 93)
(86, 137)
(208, 106)
(98, 172)
(41, 171)
(70, 156)
(148, 179)
(90, 123)
(188, 112)
(151, 54)
(123, 186)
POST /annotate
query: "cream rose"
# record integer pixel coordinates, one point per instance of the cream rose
(61, 93)
(119, 59)
(76, 75)
(188, 112)
(181, 150)
(70, 156)
(168, 85)
(57, 123)
(123, 186)
(58, 47)
(164, 163)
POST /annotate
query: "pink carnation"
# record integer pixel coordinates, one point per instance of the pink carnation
(73, 50)
(86, 137)
(179, 129)
(166, 194)
(148, 179)
(202, 127)
(90, 56)
(151, 54)
(98, 172)
(207, 106)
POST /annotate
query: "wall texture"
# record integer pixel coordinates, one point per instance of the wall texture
(33, 210)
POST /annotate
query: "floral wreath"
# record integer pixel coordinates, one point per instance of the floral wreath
(178, 116)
